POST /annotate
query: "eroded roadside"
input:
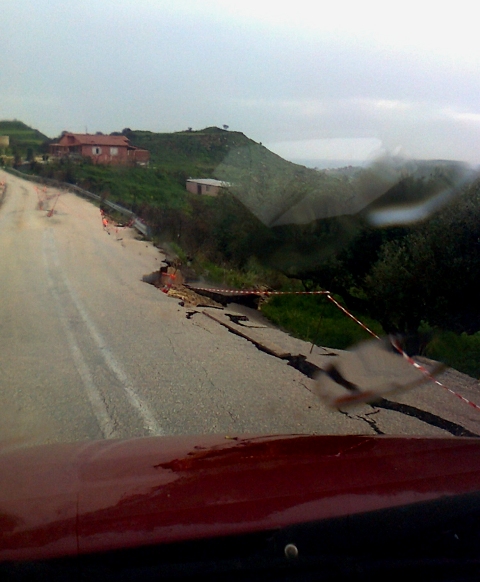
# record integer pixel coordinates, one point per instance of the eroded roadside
(311, 370)
(233, 318)
(194, 374)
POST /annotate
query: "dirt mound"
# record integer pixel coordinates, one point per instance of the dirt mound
(191, 298)
(170, 281)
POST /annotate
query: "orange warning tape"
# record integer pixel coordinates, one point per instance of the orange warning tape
(51, 211)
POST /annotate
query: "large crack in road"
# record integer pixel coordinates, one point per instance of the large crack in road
(63, 346)
(300, 363)
(427, 417)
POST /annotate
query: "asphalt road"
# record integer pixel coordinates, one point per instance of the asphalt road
(88, 350)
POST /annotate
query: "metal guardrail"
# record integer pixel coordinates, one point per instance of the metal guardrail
(142, 227)
(137, 223)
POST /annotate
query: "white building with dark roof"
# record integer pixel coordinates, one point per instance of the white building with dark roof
(205, 186)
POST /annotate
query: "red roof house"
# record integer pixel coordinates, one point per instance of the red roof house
(101, 149)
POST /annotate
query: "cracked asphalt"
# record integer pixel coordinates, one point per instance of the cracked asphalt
(88, 350)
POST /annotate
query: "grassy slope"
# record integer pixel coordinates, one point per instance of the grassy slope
(265, 183)
(131, 186)
(202, 150)
(315, 319)
(22, 136)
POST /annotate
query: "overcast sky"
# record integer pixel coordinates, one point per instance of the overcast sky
(308, 79)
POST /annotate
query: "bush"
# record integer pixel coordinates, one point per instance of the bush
(461, 352)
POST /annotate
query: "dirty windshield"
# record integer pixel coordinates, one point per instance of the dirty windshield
(229, 218)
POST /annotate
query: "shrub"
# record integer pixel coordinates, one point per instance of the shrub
(460, 351)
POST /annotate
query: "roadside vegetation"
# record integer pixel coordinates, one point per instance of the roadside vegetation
(420, 280)
(460, 351)
(314, 318)
(189, 153)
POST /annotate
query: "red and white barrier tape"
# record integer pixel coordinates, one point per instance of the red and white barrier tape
(410, 360)
(257, 291)
(335, 302)
(426, 373)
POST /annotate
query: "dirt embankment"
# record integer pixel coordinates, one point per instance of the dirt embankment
(170, 280)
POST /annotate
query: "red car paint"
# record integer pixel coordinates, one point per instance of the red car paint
(68, 499)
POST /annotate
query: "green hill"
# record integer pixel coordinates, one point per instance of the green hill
(195, 152)
(264, 182)
(276, 191)
(22, 137)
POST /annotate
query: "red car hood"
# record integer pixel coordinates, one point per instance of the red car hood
(69, 499)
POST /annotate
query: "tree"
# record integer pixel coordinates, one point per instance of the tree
(17, 158)
(396, 285)
(433, 274)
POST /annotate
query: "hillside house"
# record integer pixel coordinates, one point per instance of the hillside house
(101, 149)
(205, 186)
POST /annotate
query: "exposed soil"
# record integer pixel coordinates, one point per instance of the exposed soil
(169, 280)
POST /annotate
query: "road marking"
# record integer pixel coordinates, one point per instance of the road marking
(149, 421)
(99, 408)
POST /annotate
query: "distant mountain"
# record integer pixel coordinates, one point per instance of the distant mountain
(22, 137)
(327, 164)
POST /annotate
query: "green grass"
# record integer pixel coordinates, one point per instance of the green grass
(195, 153)
(131, 187)
(251, 277)
(461, 352)
(314, 318)
(176, 251)
(225, 276)
(22, 137)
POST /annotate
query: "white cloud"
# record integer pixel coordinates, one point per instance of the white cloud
(278, 71)
(392, 105)
(444, 30)
(465, 116)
